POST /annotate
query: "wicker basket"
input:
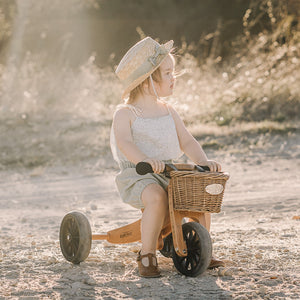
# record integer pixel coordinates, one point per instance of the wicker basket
(196, 191)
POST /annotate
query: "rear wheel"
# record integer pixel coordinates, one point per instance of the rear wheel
(199, 250)
(75, 237)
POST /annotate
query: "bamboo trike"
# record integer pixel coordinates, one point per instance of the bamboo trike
(192, 191)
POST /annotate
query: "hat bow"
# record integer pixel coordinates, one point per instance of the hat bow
(159, 50)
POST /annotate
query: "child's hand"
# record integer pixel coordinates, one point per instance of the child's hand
(213, 165)
(157, 165)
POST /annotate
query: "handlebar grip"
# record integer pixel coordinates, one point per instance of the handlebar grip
(143, 168)
(202, 168)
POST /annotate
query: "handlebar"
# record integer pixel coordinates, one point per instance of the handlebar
(143, 168)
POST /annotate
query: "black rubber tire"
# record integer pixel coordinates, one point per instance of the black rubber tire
(75, 237)
(167, 251)
(199, 248)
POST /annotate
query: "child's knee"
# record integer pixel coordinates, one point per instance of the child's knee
(160, 201)
(156, 197)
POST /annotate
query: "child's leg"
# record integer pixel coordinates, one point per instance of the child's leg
(156, 211)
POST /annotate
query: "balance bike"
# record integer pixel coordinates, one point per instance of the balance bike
(192, 191)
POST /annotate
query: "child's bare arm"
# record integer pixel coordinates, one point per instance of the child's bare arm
(190, 146)
(122, 129)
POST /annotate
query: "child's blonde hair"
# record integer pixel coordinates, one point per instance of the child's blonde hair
(156, 76)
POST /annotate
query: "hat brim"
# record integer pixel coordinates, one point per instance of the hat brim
(168, 46)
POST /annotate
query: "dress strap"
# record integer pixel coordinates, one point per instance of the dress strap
(136, 111)
(167, 106)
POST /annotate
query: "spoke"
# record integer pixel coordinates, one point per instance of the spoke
(76, 243)
(187, 263)
(195, 244)
(69, 225)
(195, 238)
(197, 256)
(74, 249)
(74, 231)
(191, 236)
(69, 249)
(181, 259)
(192, 262)
(72, 225)
(195, 261)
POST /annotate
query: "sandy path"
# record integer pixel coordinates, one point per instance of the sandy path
(255, 233)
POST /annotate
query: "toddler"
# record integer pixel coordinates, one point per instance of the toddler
(145, 128)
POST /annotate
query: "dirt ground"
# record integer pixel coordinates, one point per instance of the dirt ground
(257, 233)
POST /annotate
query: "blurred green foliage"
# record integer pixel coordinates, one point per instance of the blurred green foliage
(241, 58)
(206, 28)
(6, 13)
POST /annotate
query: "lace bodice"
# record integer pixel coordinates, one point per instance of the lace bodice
(155, 137)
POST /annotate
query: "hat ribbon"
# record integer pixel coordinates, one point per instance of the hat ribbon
(159, 50)
(147, 66)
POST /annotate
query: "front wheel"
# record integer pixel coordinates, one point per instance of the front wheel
(75, 237)
(199, 250)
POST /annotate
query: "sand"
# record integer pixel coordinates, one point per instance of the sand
(257, 233)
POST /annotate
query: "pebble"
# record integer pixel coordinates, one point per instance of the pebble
(90, 281)
(94, 207)
(270, 282)
(241, 297)
(5, 228)
(135, 249)
(108, 245)
(43, 280)
(259, 229)
(14, 283)
(262, 290)
(276, 218)
(76, 285)
(52, 260)
(278, 207)
(225, 271)
(263, 220)
(287, 235)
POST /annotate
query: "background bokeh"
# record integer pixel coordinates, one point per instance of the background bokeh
(58, 89)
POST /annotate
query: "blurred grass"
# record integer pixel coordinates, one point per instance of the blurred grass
(255, 85)
(55, 116)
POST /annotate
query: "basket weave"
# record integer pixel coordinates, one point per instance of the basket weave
(194, 191)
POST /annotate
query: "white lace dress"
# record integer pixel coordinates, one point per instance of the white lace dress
(156, 138)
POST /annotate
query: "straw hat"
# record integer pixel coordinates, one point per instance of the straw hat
(141, 61)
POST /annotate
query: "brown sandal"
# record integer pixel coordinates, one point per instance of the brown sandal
(148, 271)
